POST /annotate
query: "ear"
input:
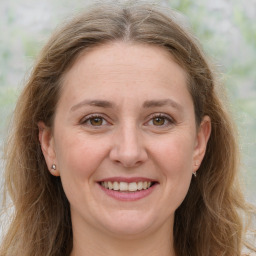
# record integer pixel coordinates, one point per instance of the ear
(203, 135)
(47, 146)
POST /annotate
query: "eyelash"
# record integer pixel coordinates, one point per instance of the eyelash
(167, 120)
(88, 119)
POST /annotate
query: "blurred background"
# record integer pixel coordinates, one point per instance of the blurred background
(225, 28)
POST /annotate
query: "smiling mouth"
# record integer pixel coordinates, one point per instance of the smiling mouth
(127, 186)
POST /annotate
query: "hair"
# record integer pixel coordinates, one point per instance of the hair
(208, 222)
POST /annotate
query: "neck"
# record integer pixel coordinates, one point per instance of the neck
(92, 242)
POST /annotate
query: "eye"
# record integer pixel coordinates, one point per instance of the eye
(94, 120)
(160, 120)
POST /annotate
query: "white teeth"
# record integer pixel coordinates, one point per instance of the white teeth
(110, 185)
(132, 186)
(116, 185)
(125, 186)
(140, 185)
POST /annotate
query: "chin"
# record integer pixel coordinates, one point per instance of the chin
(130, 223)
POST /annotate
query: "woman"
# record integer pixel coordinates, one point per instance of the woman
(121, 144)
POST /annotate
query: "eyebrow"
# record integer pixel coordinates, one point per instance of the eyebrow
(162, 103)
(146, 104)
(97, 103)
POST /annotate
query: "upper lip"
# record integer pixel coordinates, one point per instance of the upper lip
(127, 179)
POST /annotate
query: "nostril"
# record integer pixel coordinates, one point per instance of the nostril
(128, 152)
(127, 161)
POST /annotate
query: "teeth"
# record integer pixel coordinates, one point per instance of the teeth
(140, 185)
(110, 185)
(125, 186)
(116, 185)
(132, 186)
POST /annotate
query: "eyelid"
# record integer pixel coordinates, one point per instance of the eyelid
(167, 117)
(87, 118)
(170, 120)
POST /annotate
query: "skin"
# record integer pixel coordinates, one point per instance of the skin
(131, 137)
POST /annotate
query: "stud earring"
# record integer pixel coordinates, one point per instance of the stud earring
(54, 167)
(194, 173)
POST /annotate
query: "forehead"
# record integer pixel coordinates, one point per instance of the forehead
(119, 54)
(134, 69)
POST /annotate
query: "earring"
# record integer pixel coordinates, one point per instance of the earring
(54, 167)
(194, 173)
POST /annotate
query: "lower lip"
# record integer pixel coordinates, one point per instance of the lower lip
(128, 196)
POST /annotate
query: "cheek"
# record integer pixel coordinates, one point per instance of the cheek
(79, 157)
(175, 154)
(78, 160)
(175, 160)
(177, 169)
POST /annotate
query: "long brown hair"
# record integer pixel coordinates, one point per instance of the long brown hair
(208, 222)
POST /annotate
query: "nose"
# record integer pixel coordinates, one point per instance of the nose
(128, 149)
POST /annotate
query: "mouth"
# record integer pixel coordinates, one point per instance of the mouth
(127, 186)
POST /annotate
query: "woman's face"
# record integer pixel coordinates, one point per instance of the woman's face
(125, 141)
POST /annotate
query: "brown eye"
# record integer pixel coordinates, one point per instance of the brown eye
(158, 121)
(96, 121)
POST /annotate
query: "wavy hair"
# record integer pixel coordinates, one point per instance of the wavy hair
(209, 220)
